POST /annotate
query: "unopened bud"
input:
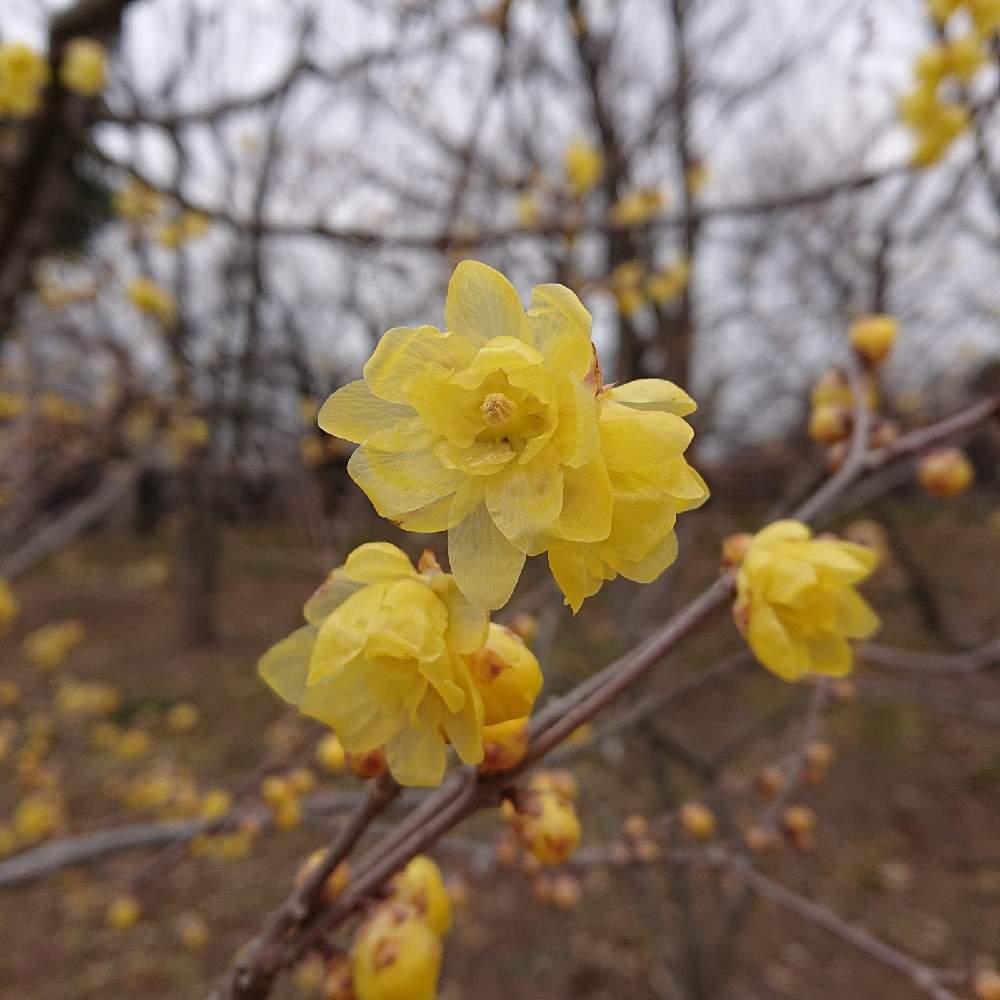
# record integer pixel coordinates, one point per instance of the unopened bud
(945, 473)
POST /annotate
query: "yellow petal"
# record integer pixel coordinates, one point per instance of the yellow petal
(586, 509)
(285, 665)
(482, 304)
(855, 618)
(639, 439)
(773, 645)
(781, 531)
(525, 500)
(577, 435)
(653, 394)
(646, 570)
(468, 625)
(830, 655)
(559, 327)
(355, 413)
(404, 353)
(444, 514)
(465, 728)
(334, 590)
(375, 561)
(485, 564)
(577, 573)
(416, 756)
(642, 515)
(398, 483)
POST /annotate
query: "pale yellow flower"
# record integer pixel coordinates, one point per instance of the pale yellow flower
(84, 67)
(584, 166)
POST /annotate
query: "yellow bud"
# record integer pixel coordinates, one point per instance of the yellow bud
(123, 913)
(697, 821)
(301, 780)
(216, 803)
(338, 979)
(507, 675)
(769, 783)
(336, 881)
(288, 815)
(421, 886)
(945, 473)
(308, 974)
(275, 791)
(368, 765)
(504, 744)
(819, 755)
(873, 336)
(133, 743)
(396, 956)
(635, 827)
(799, 824)
(986, 985)
(566, 891)
(759, 841)
(829, 424)
(83, 67)
(192, 931)
(966, 56)
(330, 754)
(183, 717)
(557, 780)
(551, 831)
(733, 547)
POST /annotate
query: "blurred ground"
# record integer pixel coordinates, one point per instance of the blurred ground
(907, 842)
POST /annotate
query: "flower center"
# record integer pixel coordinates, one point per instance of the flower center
(497, 409)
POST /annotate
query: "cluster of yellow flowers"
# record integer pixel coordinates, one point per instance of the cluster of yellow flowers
(153, 299)
(48, 647)
(396, 657)
(86, 698)
(143, 206)
(936, 109)
(84, 67)
(283, 793)
(584, 167)
(502, 432)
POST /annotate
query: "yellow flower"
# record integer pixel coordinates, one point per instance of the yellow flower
(330, 755)
(153, 299)
(84, 68)
(421, 886)
(584, 166)
(396, 956)
(873, 336)
(37, 816)
(941, 10)
(946, 123)
(491, 431)
(829, 423)
(627, 284)
(23, 74)
(137, 201)
(796, 601)
(381, 663)
(945, 473)
(550, 828)
(183, 717)
(8, 606)
(190, 226)
(507, 675)
(643, 438)
(698, 176)
(528, 212)
(123, 913)
(192, 931)
(637, 207)
(47, 647)
(966, 56)
(669, 282)
(985, 16)
(504, 744)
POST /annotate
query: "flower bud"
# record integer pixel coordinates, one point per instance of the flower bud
(557, 780)
(288, 815)
(829, 424)
(799, 824)
(551, 832)
(367, 765)
(733, 547)
(697, 821)
(504, 744)
(883, 435)
(183, 717)
(336, 881)
(216, 802)
(338, 979)
(192, 931)
(302, 780)
(420, 884)
(769, 783)
(819, 756)
(506, 674)
(275, 791)
(986, 985)
(566, 891)
(330, 754)
(308, 974)
(396, 956)
(635, 827)
(123, 913)
(873, 336)
(945, 473)
(758, 840)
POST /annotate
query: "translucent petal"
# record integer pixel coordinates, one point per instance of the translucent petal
(577, 436)
(481, 459)
(855, 618)
(417, 757)
(482, 304)
(586, 509)
(773, 645)
(440, 675)
(398, 483)
(465, 728)
(329, 596)
(468, 625)
(639, 439)
(376, 561)
(653, 394)
(830, 654)
(642, 515)
(781, 531)
(355, 413)
(285, 665)
(648, 569)
(485, 564)
(405, 352)
(525, 500)
(559, 326)
(575, 574)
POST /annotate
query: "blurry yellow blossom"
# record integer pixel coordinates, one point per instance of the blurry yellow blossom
(873, 336)
(188, 226)
(137, 201)
(47, 647)
(336, 882)
(183, 717)
(697, 820)
(548, 827)
(186, 435)
(381, 662)
(528, 212)
(666, 284)
(829, 423)
(11, 405)
(84, 68)
(215, 803)
(86, 698)
(698, 176)
(23, 74)
(946, 124)
(643, 437)
(504, 744)
(638, 207)
(58, 410)
(8, 606)
(312, 452)
(945, 473)
(941, 10)
(192, 931)
(396, 956)
(133, 743)
(37, 816)
(985, 16)
(153, 299)
(123, 913)
(833, 389)
(584, 166)
(421, 886)
(330, 754)
(627, 284)
(966, 55)
(10, 694)
(796, 601)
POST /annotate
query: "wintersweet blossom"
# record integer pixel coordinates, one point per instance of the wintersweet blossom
(396, 956)
(796, 603)
(584, 166)
(382, 662)
(23, 74)
(84, 67)
(8, 605)
(495, 432)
